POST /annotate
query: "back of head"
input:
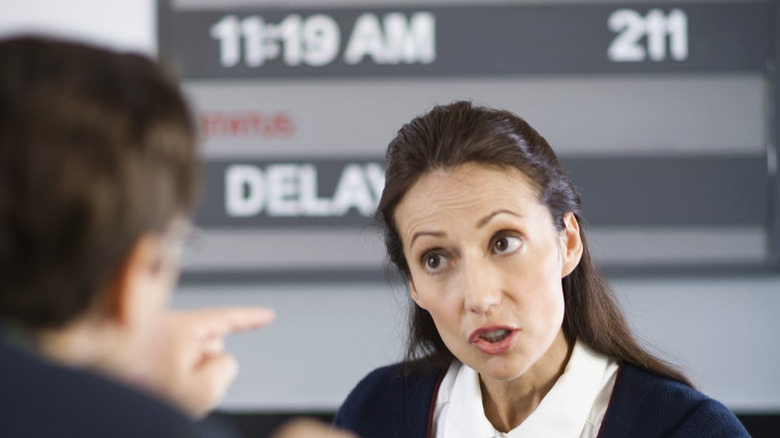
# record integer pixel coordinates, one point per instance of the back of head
(96, 148)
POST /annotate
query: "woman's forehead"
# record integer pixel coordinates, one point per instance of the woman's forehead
(464, 190)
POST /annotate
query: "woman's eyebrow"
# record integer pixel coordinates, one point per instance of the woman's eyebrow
(482, 222)
(426, 233)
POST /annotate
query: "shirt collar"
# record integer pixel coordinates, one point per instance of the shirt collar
(563, 412)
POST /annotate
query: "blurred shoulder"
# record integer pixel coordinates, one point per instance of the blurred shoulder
(39, 398)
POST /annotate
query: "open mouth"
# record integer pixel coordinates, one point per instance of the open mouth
(495, 339)
(495, 335)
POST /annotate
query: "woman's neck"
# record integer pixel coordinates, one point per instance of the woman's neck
(509, 403)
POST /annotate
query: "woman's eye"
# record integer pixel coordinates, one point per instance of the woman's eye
(506, 244)
(433, 262)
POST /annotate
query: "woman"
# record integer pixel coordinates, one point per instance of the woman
(513, 332)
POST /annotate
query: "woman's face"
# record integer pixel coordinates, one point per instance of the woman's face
(486, 262)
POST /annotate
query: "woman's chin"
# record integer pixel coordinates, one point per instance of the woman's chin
(501, 370)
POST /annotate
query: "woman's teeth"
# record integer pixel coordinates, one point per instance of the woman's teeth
(496, 335)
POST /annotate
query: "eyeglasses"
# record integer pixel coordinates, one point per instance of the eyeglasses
(181, 242)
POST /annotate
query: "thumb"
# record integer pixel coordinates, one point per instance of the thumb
(214, 375)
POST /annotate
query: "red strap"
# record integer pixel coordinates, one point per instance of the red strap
(601, 426)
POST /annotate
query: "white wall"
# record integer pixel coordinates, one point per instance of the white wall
(122, 24)
(725, 331)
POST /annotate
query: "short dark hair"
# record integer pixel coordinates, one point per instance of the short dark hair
(96, 149)
(452, 135)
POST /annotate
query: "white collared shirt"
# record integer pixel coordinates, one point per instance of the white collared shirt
(574, 407)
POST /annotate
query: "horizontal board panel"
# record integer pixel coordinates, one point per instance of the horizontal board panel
(531, 39)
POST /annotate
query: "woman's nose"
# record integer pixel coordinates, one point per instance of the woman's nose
(481, 287)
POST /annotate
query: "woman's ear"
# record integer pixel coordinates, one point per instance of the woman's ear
(572, 244)
(413, 293)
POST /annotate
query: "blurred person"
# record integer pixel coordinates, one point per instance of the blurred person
(98, 177)
(513, 332)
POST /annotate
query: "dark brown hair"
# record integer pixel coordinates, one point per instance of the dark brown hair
(452, 135)
(96, 149)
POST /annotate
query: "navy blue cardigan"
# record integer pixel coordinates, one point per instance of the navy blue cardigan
(386, 404)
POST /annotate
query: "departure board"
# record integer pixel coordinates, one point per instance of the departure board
(662, 112)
